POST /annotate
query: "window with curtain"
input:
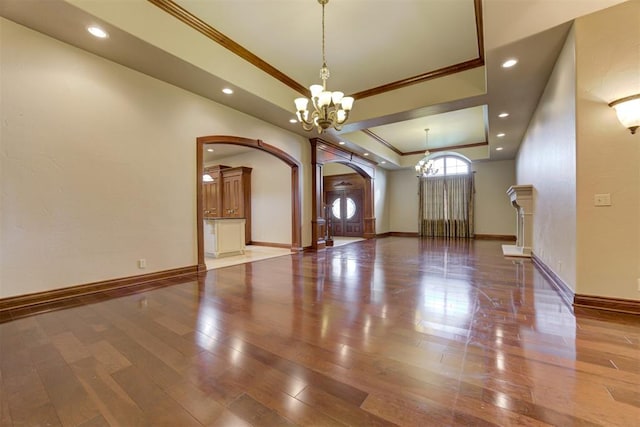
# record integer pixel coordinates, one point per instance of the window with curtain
(446, 199)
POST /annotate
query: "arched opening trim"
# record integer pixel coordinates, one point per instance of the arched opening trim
(296, 220)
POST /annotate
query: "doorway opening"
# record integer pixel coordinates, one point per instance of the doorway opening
(296, 226)
(324, 153)
(344, 201)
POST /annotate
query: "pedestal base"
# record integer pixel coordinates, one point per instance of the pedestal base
(516, 251)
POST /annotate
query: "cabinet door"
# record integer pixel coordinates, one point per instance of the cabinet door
(233, 196)
(210, 198)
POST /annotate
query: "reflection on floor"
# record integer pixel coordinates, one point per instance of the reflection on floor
(251, 253)
(339, 241)
(256, 253)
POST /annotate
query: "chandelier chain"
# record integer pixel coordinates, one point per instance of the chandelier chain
(324, 59)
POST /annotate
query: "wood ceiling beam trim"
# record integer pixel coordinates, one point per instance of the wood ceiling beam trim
(382, 141)
(479, 29)
(442, 72)
(449, 148)
(429, 75)
(208, 31)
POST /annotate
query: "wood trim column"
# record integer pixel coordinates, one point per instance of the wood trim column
(369, 209)
(296, 214)
(318, 221)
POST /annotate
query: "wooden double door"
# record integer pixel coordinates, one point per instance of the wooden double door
(344, 208)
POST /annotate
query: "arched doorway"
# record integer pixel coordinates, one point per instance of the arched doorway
(322, 153)
(296, 221)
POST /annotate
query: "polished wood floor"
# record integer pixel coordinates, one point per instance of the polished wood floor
(394, 331)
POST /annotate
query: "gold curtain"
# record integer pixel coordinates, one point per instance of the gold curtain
(446, 206)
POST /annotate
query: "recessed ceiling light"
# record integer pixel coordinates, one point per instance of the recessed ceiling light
(210, 150)
(227, 91)
(503, 115)
(97, 32)
(509, 63)
(366, 154)
(341, 142)
(500, 135)
(499, 149)
(383, 162)
(293, 120)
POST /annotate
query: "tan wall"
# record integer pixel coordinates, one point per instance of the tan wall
(493, 211)
(270, 195)
(402, 186)
(608, 65)
(381, 200)
(494, 214)
(546, 160)
(98, 166)
(330, 169)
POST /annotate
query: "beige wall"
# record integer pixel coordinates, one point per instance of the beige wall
(402, 186)
(330, 169)
(98, 166)
(493, 211)
(595, 250)
(494, 214)
(546, 160)
(608, 68)
(381, 200)
(270, 195)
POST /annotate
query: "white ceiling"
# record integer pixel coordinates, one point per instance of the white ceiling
(275, 52)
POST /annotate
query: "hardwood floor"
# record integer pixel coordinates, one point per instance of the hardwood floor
(394, 331)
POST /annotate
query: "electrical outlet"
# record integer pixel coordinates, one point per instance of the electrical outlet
(602, 199)
(638, 285)
(142, 263)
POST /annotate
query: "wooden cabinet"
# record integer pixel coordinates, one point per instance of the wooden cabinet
(212, 191)
(236, 196)
(228, 194)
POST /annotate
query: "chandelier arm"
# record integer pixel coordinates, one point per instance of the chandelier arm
(346, 117)
(307, 123)
(307, 127)
(314, 102)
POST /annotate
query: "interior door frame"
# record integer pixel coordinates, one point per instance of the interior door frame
(296, 216)
(324, 152)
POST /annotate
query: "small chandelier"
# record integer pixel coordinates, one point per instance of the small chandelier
(425, 167)
(330, 109)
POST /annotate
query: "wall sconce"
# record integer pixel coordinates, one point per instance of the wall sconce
(628, 111)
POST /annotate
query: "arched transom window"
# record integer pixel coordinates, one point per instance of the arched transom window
(450, 165)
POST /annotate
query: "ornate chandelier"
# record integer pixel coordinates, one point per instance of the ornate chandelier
(425, 167)
(330, 109)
